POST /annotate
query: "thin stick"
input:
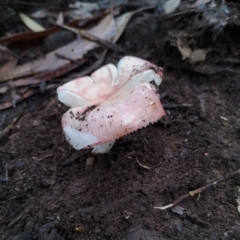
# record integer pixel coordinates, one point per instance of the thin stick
(95, 65)
(179, 13)
(141, 165)
(91, 37)
(40, 159)
(6, 172)
(199, 190)
(120, 159)
(96, 39)
(170, 106)
(68, 58)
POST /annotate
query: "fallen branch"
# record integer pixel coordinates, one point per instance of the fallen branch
(199, 190)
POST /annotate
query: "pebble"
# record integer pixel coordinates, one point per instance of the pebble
(89, 163)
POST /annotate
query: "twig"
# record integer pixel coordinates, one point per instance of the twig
(2, 217)
(104, 43)
(199, 190)
(40, 159)
(170, 106)
(29, 3)
(6, 172)
(15, 220)
(91, 37)
(120, 159)
(7, 129)
(183, 12)
(95, 65)
(68, 58)
(141, 165)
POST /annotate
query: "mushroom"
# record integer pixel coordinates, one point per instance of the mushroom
(113, 102)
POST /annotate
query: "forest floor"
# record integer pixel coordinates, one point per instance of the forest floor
(50, 193)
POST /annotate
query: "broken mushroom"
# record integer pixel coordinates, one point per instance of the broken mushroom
(111, 103)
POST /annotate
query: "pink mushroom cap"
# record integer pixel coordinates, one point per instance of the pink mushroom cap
(113, 102)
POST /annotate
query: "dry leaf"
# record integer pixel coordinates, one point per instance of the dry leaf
(238, 200)
(46, 76)
(85, 5)
(36, 35)
(123, 20)
(106, 30)
(3, 89)
(42, 13)
(198, 3)
(171, 6)
(18, 98)
(60, 18)
(81, 9)
(194, 56)
(7, 60)
(30, 23)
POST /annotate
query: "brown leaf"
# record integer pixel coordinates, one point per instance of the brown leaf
(46, 76)
(7, 60)
(123, 20)
(106, 30)
(36, 35)
(27, 94)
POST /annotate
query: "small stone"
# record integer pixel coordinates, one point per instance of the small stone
(97, 230)
(89, 163)
(127, 214)
(178, 209)
(179, 227)
(232, 233)
(237, 124)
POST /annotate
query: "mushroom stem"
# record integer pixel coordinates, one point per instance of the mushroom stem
(103, 147)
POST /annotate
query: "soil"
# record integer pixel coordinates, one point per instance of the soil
(51, 193)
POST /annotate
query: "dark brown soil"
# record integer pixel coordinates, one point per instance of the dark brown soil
(50, 194)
